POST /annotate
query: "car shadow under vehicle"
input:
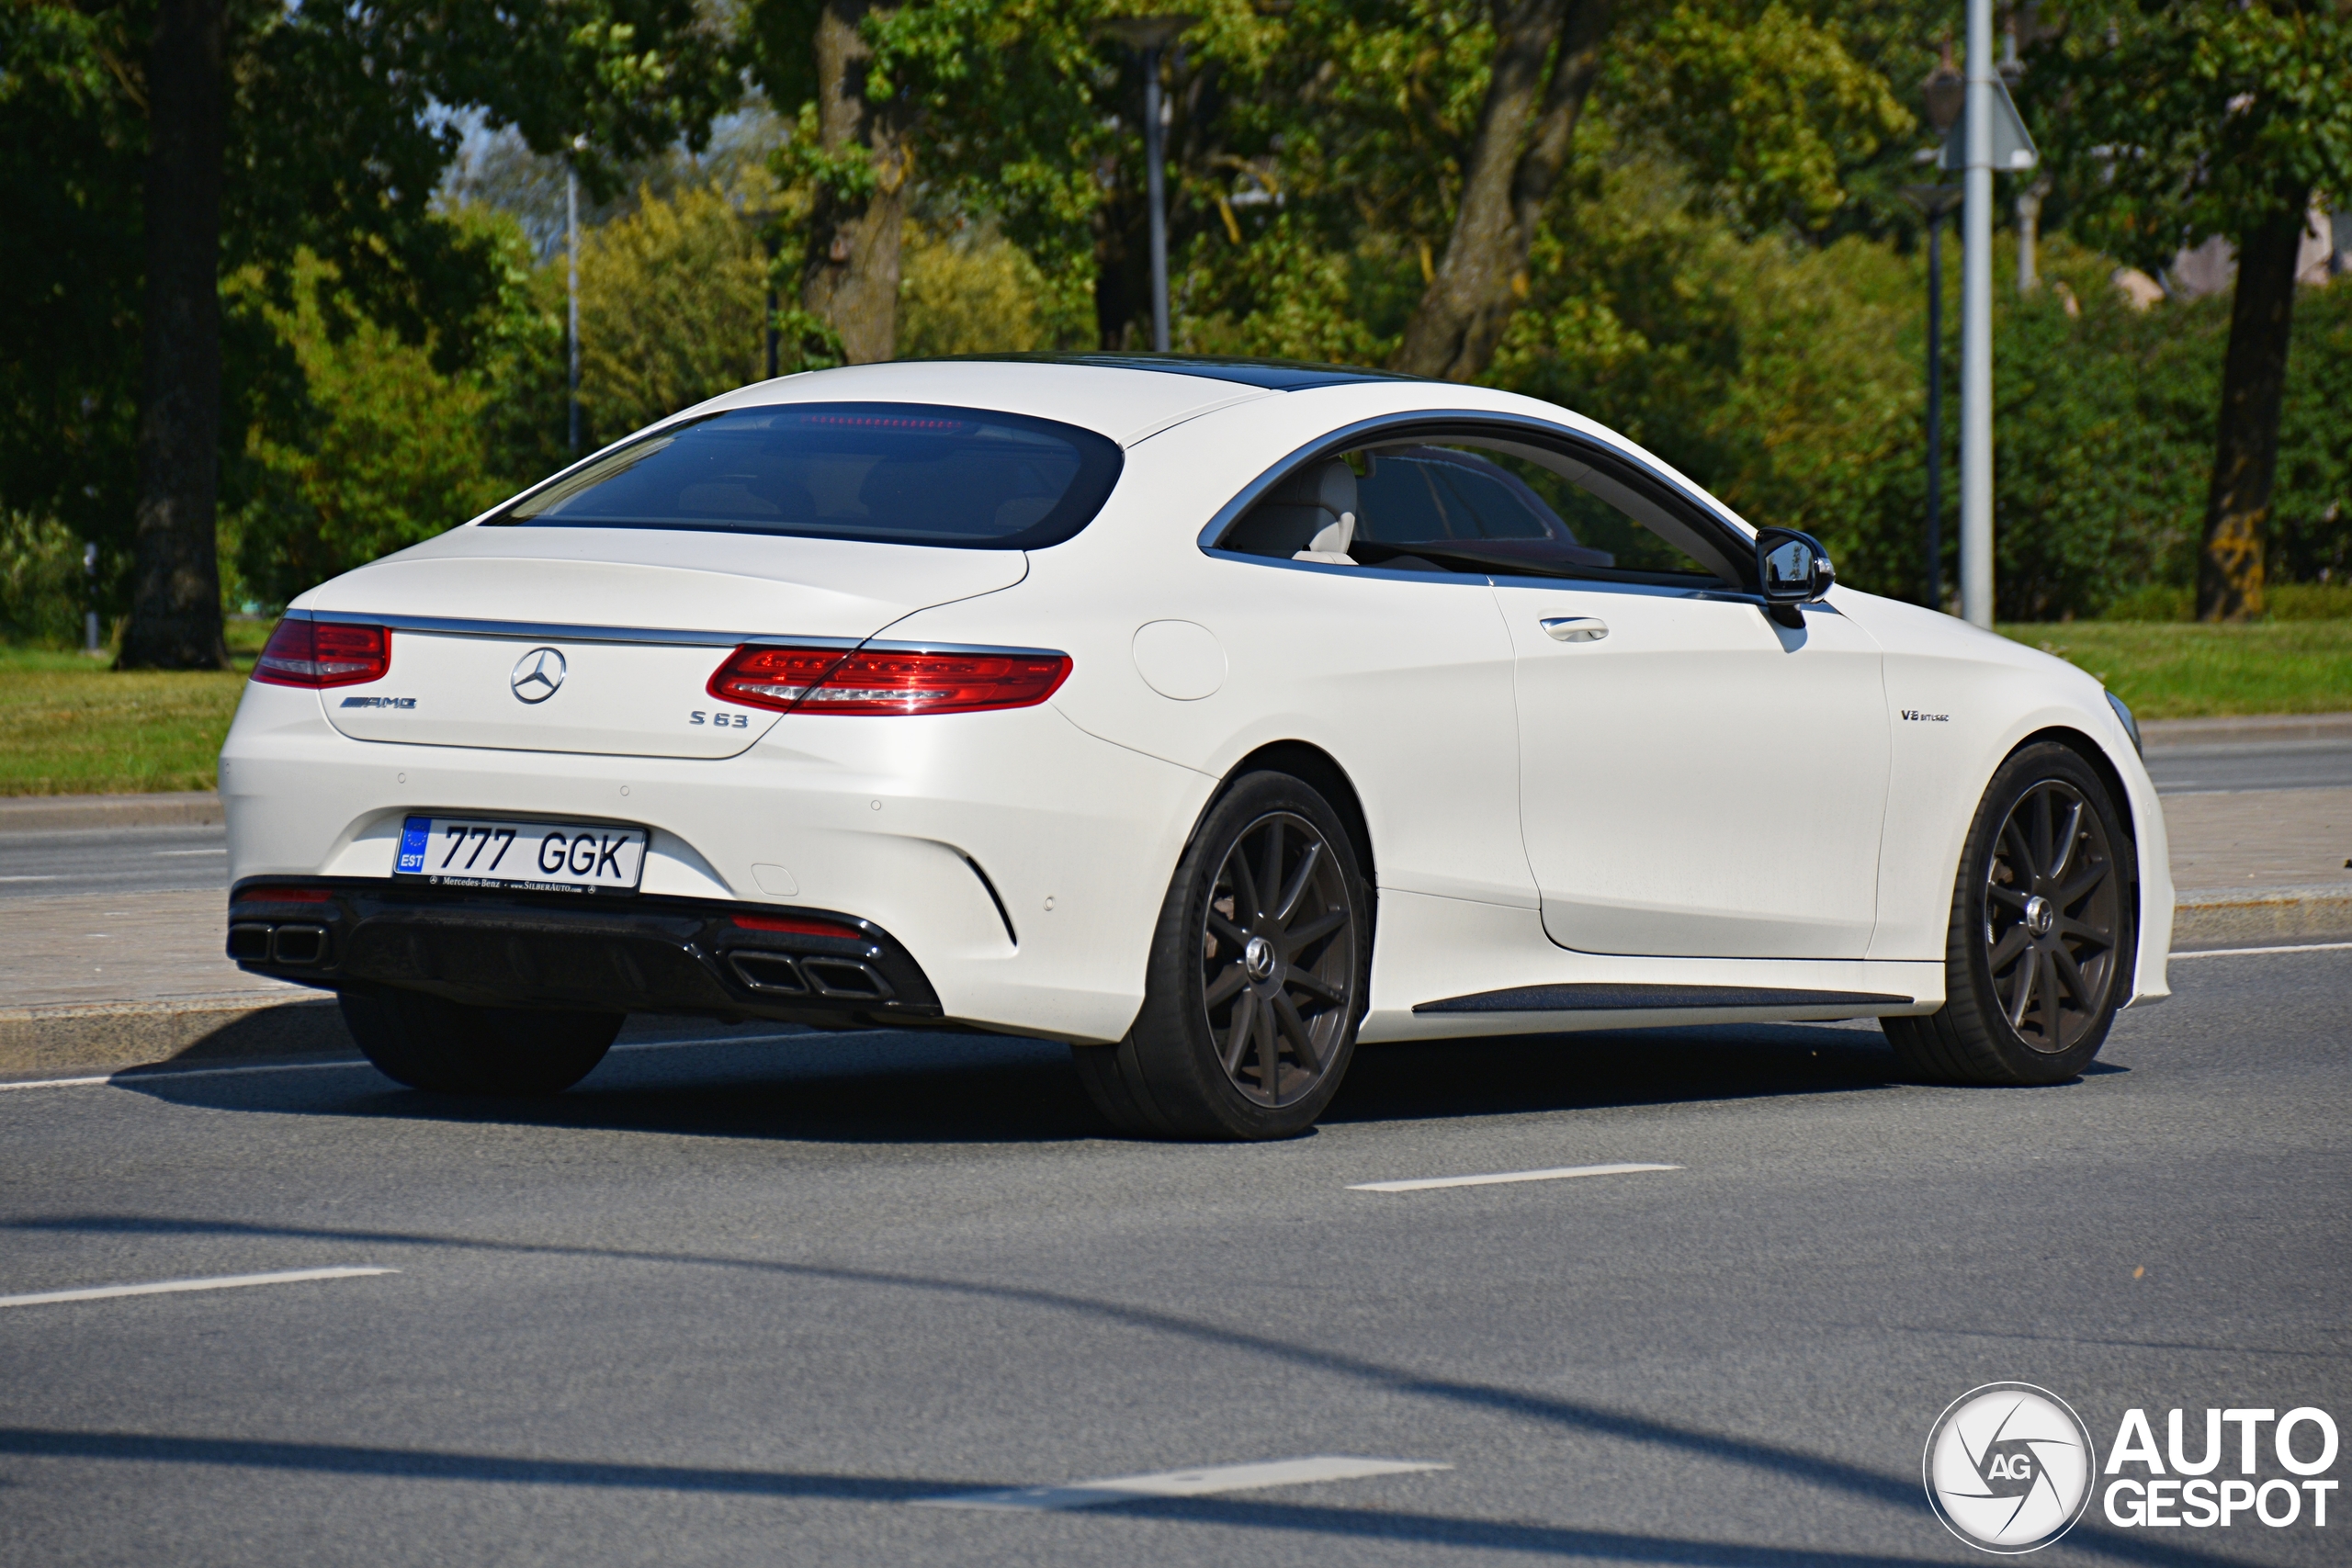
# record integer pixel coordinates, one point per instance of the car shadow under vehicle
(884, 1086)
(1510, 1074)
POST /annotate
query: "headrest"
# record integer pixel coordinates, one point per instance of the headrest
(1331, 486)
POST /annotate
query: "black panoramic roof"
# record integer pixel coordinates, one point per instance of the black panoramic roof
(1274, 374)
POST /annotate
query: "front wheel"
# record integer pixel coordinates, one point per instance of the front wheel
(1258, 969)
(447, 1047)
(2039, 956)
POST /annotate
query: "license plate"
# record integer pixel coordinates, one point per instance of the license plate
(537, 857)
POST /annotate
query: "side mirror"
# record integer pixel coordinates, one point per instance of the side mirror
(1792, 568)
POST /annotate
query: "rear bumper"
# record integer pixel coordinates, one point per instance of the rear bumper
(1020, 859)
(641, 954)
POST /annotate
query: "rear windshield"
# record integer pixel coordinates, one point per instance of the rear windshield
(901, 473)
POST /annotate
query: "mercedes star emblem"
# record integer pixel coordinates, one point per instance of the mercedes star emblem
(537, 675)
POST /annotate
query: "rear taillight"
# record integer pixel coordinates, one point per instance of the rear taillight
(284, 895)
(873, 681)
(315, 653)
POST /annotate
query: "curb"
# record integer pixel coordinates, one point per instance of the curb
(2254, 914)
(106, 1036)
(63, 813)
(91, 1038)
(2251, 729)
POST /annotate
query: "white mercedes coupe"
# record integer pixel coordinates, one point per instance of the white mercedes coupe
(1209, 715)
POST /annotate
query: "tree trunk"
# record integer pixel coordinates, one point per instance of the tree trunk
(851, 278)
(2254, 379)
(176, 588)
(1516, 156)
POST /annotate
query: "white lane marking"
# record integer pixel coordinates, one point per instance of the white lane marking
(1560, 1173)
(1198, 1483)
(168, 1287)
(714, 1040)
(2248, 952)
(131, 1078)
(134, 1077)
(27, 879)
(161, 854)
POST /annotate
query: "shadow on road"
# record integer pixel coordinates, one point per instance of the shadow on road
(1512, 1075)
(894, 1086)
(427, 1464)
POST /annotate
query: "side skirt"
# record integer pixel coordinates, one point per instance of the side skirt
(1605, 998)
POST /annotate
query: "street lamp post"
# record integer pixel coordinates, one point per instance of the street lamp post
(1936, 201)
(1943, 90)
(1976, 328)
(1151, 36)
(572, 299)
(90, 596)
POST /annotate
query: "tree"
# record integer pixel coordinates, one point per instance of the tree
(72, 137)
(272, 128)
(1006, 99)
(849, 277)
(1764, 104)
(177, 582)
(1548, 55)
(2186, 118)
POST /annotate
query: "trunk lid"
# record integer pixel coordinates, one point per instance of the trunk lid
(602, 640)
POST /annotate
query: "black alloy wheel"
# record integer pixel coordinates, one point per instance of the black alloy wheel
(1257, 978)
(2040, 945)
(1278, 960)
(2054, 905)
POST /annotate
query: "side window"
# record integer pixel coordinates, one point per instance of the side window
(1474, 507)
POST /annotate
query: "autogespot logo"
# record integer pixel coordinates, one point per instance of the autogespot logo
(2008, 1467)
(537, 675)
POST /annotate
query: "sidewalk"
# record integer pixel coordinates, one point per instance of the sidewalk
(2263, 864)
(2259, 864)
(98, 981)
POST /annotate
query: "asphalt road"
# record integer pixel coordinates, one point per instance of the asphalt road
(749, 1302)
(112, 859)
(2297, 764)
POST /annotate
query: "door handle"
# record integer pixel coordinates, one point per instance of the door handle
(1574, 628)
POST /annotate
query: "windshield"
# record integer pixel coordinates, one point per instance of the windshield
(902, 473)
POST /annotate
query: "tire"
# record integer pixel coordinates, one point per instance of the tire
(1252, 996)
(447, 1047)
(2039, 954)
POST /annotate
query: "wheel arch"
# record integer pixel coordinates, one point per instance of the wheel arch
(2094, 757)
(1311, 764)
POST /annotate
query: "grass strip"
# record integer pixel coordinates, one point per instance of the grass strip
(2183, 670)
(79, 731)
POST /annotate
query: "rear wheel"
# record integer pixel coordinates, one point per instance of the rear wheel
(449, 1048)
(2037, 957)
(1259, 970)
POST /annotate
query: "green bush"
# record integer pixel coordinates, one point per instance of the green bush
(40, 582)
(965, 288)
(2284, 602)
(672, 301)
(2103, 449)
(392, 454)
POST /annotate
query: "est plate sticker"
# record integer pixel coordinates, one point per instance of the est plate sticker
(539, 857)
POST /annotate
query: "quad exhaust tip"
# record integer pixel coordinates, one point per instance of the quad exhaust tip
(297, 946)
(845, 979)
